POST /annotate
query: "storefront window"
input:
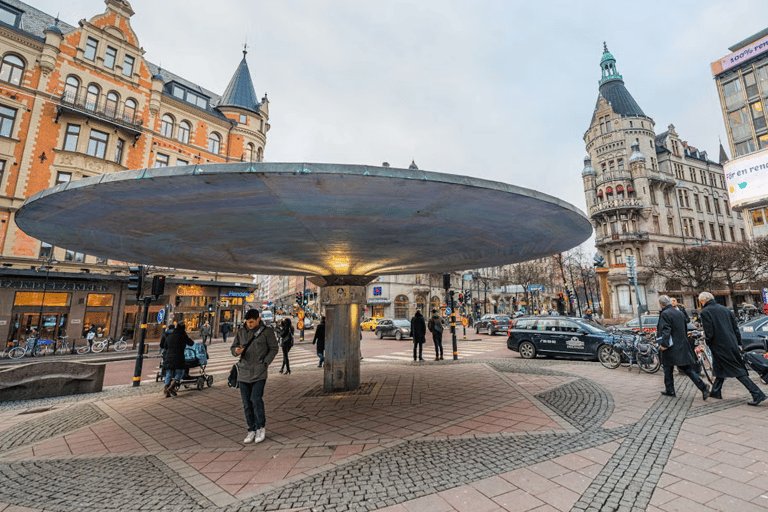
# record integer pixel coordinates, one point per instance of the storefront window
(36, 299)
(401, 307)
(99, 299)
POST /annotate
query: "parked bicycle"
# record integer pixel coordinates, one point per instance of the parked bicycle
(31, 348)
(703, 353)
(629, 351)
(100, 346)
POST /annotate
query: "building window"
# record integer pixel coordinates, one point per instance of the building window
(707, 205)
(110, 56)
(161, 160)
(656, 226)
(9, 16)
(214, 143)
(696, 202)
(190, 97)
(751, 85)
(90, 48)
(733, 235)
(2, 170)
(620, 164)
(97, 144)
(119, 151)
(757, 217)
(46, 250)
(166, 126)
(702, 230)
(243, 119)
(71, 137)
(179, 161)
(63, 177)
(743, 236)
(671, 225)
(732, 93)
(725, 206)
(110, 107)
(184, 129)
(7, 119)
(722, 232)
(758, 117)
(73, 256)
(666, 197)
(744, 148)
(617, 257)
(249, 152)
(71, 87)
(712, 230)
(739, 123)
(11, 70)
(661, 253)
(128, 65)
(92, 97)
(130, 110)
(401, 307)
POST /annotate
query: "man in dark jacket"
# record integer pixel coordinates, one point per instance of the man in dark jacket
(419, 333)
(724, 340)
(435, 326)
(257, 347)
(319, 339)
(173, 359)
(675, 348)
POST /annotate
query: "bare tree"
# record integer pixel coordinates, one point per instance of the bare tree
(526, 274)
(694, 269)
(737, 267)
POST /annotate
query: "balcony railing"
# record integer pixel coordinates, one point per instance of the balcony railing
(102, 109)
(616, 204)
(621, 237)
(623, 176)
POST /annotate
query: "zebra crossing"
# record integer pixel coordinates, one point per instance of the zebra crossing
(220, 359)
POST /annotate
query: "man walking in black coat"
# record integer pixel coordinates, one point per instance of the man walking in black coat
(675, 349)
(419, 333)
(724, 340)
(320, 340)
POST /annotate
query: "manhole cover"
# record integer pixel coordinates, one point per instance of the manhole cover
(364, 389)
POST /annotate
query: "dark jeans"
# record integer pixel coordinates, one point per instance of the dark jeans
(286, 364)
(669, 378)
(206, 339)
(321, 355)
(252, 394)
(420, 349)
(437, 337)
(756, 392)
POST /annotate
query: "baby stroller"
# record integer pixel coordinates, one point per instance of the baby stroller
(195, 356)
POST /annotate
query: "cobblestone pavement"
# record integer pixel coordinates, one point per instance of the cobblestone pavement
(494, 434)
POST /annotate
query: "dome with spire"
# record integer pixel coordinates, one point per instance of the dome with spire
(240, 92)
(612, 89)
(636, 155)
(588, 169)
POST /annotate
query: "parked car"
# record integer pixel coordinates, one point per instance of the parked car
(557, 336)
(369, 324)
(398, 328)
(492, 324)
(753, 334)
(308, 324)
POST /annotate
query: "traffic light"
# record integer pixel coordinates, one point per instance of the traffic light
(158, 285)
(631, 268)
(298, 298)
(571, 294)
(210, 308)
(136, 280)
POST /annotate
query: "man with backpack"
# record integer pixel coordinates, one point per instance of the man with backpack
(435, 326)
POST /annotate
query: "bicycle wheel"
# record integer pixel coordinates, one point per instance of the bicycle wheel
(707, 372)
(17, 353)
(650, 364)
(120, 345)
(609, 356)
(98, 346)
(84, 349)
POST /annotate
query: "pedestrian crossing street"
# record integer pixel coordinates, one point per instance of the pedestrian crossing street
(220, 359)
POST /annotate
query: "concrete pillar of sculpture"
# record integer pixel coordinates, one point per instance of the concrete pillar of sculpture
(343, 309)
(605, 295)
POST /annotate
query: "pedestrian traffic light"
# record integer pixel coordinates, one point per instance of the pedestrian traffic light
(461, 298)
(210, 308)
(136, 280)
(158, 285)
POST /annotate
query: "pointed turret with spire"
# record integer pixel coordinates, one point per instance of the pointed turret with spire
(240, 92)
(612, 89)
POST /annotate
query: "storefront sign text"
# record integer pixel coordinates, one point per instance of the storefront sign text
(39, 285)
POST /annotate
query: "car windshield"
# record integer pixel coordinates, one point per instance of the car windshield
(402, 323)
(266, 314)
(593, 326)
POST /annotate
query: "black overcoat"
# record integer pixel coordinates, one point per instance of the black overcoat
(174, 344)
(319, 338)
(672, 324)
(724, 339)
(418, 328)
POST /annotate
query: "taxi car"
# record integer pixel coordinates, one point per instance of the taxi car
(557, 336)
(369, 324)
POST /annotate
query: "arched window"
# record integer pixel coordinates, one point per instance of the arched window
(260, 155)
(92, 97)
(434, 303)
(249, 152)
(401, 306)
(166, 126)
(600, 195)
(71, 87)
(11, 70)
(421, 304)
(110, 107)
(618, 257)
(214, 143)
(184, 129)
(609, 194)
(619, 192)
(130, 110)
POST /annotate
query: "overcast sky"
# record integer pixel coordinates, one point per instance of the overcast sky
(500, 90)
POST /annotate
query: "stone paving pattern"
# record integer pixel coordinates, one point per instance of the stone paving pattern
(492, 434)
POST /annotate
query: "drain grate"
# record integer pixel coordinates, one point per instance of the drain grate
(364, 389)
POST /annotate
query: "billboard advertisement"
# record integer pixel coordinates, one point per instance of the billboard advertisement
(747, 178)
(748, 52)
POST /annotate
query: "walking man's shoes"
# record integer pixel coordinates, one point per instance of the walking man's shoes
(705, 393)
(757, 401)
(668, 394)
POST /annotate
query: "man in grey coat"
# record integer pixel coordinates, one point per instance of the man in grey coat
(724, 340)
(257, 347)
(675, 349)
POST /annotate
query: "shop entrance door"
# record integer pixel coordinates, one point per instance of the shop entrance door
(53, 325)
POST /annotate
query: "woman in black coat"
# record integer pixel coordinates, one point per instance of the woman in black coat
(286, 342)
(675, 348)
(419, 333)
(724, 340)
(173, 358)
(319, 339)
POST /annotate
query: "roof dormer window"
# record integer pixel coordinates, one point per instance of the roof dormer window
(9, 15)
(190, 97)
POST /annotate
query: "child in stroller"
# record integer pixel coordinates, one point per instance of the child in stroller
(195, 356)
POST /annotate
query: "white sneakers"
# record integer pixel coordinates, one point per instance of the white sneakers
(256, 437)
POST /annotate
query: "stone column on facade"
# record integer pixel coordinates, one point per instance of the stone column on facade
(343, 304)
(605, 295)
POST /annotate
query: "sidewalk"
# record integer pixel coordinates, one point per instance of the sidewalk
(471, 435)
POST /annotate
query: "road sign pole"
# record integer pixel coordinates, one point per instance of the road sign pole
(453, 329)
(142, 336)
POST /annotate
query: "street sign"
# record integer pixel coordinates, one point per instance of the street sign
(765, 295)
(465, 321)
(300, 325)
(160, 316)
(536, 288)
(301, 317)
(447, 311)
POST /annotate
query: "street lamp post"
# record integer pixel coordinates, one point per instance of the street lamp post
(47, 264)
